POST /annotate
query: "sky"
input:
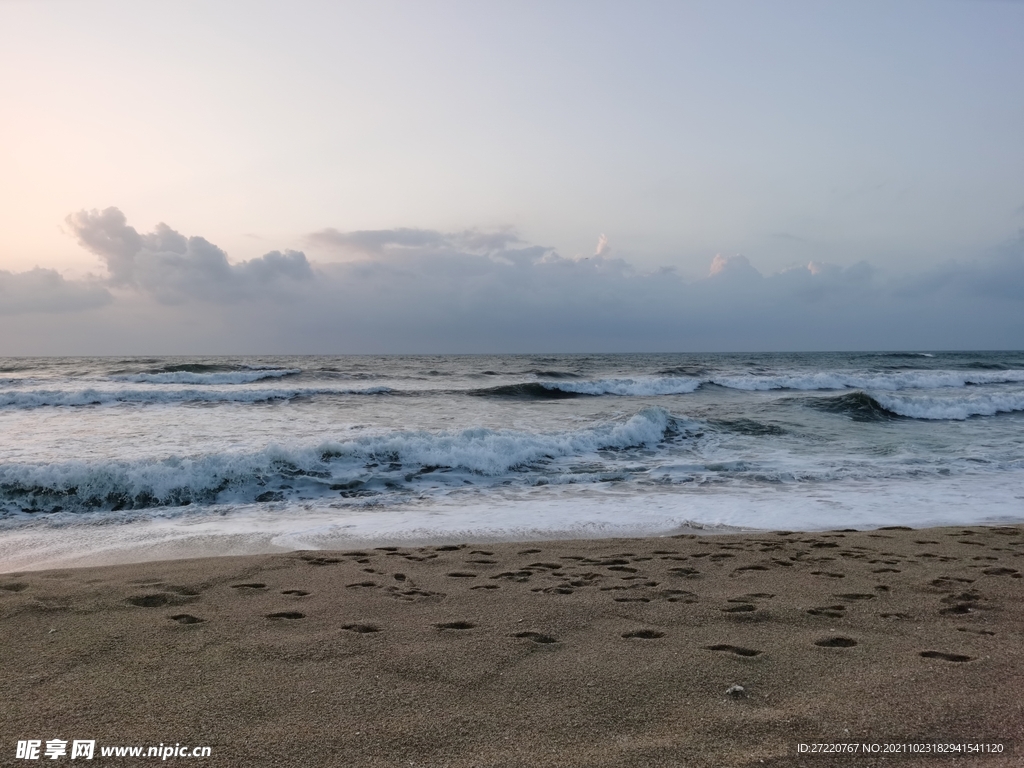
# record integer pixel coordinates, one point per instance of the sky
(398, 177)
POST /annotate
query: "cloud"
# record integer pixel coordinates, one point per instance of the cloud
(419, 290)
(45, 290)
(733, 268)
(175, 269)
(382, 242)
(997, 274)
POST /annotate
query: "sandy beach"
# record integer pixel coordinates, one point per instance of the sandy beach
(671, 651)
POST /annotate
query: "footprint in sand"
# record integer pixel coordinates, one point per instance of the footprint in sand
(831, 611)
(295, 592)
(643, 634)
(186, 618)
(944, 582)
(158, 599)
(745, 568)
(678, 596)
(556, 590)
(686, 573)
(999, 571)
(150, 601)
(15, 587)
(736, 649)
(975, 631)
(536, 637)
(836, 642)
(955, 657)
(286, 615)
(252, 585)
(456, 625)
(959, 604)
(361, 629)
(319, 559)
(413, 595)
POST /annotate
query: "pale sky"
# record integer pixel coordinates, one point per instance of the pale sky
(883, 141)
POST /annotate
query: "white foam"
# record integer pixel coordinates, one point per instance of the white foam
(37, 398)
(641, 387)
(257, 529)
(495, 452)
(243, 476)
(894, 381)
(956, 408)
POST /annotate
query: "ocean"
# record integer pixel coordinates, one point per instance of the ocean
(263, 453)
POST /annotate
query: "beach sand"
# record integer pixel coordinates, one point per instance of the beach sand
(616, 652)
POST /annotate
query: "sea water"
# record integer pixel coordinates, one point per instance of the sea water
(303, 452)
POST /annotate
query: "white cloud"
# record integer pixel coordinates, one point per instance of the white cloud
(175, 269)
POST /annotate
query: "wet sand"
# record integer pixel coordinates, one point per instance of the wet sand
(617, 652)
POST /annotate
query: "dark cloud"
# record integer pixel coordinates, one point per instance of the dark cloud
(998, 274)
(176, 269)
(45, 290)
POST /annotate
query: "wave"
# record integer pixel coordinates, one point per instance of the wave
(826, 380)
(527, 391)
(39, 398)
(883, 407)
(361, 466)
(988, 366)
(873, 381)
(622, 387)
(208, 377)
(953, 408)
(857, 405)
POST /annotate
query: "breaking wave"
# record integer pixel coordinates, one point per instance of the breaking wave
(952, 408)
(917, 379)
(646, 387)
(39, 398)
(526, 391)
(362, 466)
(857, 405)
(882, 406)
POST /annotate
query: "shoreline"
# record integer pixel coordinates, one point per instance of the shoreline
(599, 652)
(42, 548)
